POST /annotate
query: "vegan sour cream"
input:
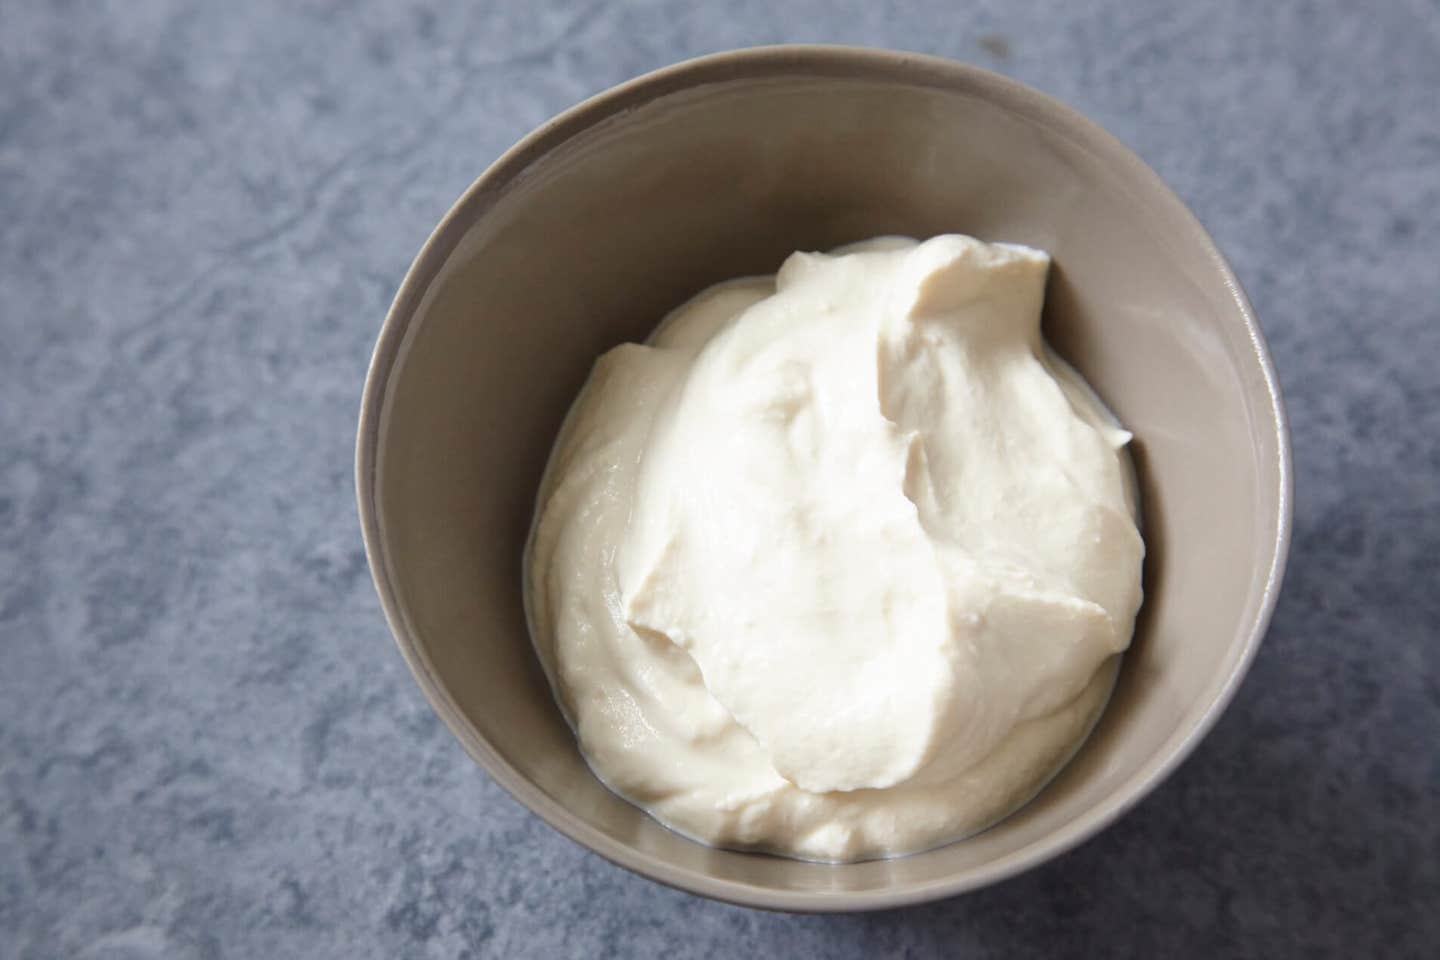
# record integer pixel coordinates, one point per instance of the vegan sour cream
(838, 564)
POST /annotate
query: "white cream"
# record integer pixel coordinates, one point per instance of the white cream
(838, 564)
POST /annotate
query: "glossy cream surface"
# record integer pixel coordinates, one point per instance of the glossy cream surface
(837, 565)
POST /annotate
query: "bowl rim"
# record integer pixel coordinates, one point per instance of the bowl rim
(818, 61)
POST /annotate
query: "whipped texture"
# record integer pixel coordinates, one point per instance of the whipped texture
(838, 564)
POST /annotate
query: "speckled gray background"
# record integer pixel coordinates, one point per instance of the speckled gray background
(208, 743)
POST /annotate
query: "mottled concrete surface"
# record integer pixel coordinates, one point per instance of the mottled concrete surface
(208, 744)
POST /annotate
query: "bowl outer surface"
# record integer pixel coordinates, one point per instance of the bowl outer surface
(590, 229)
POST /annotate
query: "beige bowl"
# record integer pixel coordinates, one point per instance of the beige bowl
(591, 228)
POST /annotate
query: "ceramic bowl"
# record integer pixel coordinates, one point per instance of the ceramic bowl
(590, 229)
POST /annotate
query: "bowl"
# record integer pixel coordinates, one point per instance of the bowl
(594, 226)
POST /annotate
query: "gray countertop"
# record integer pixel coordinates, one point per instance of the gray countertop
(209, 745)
